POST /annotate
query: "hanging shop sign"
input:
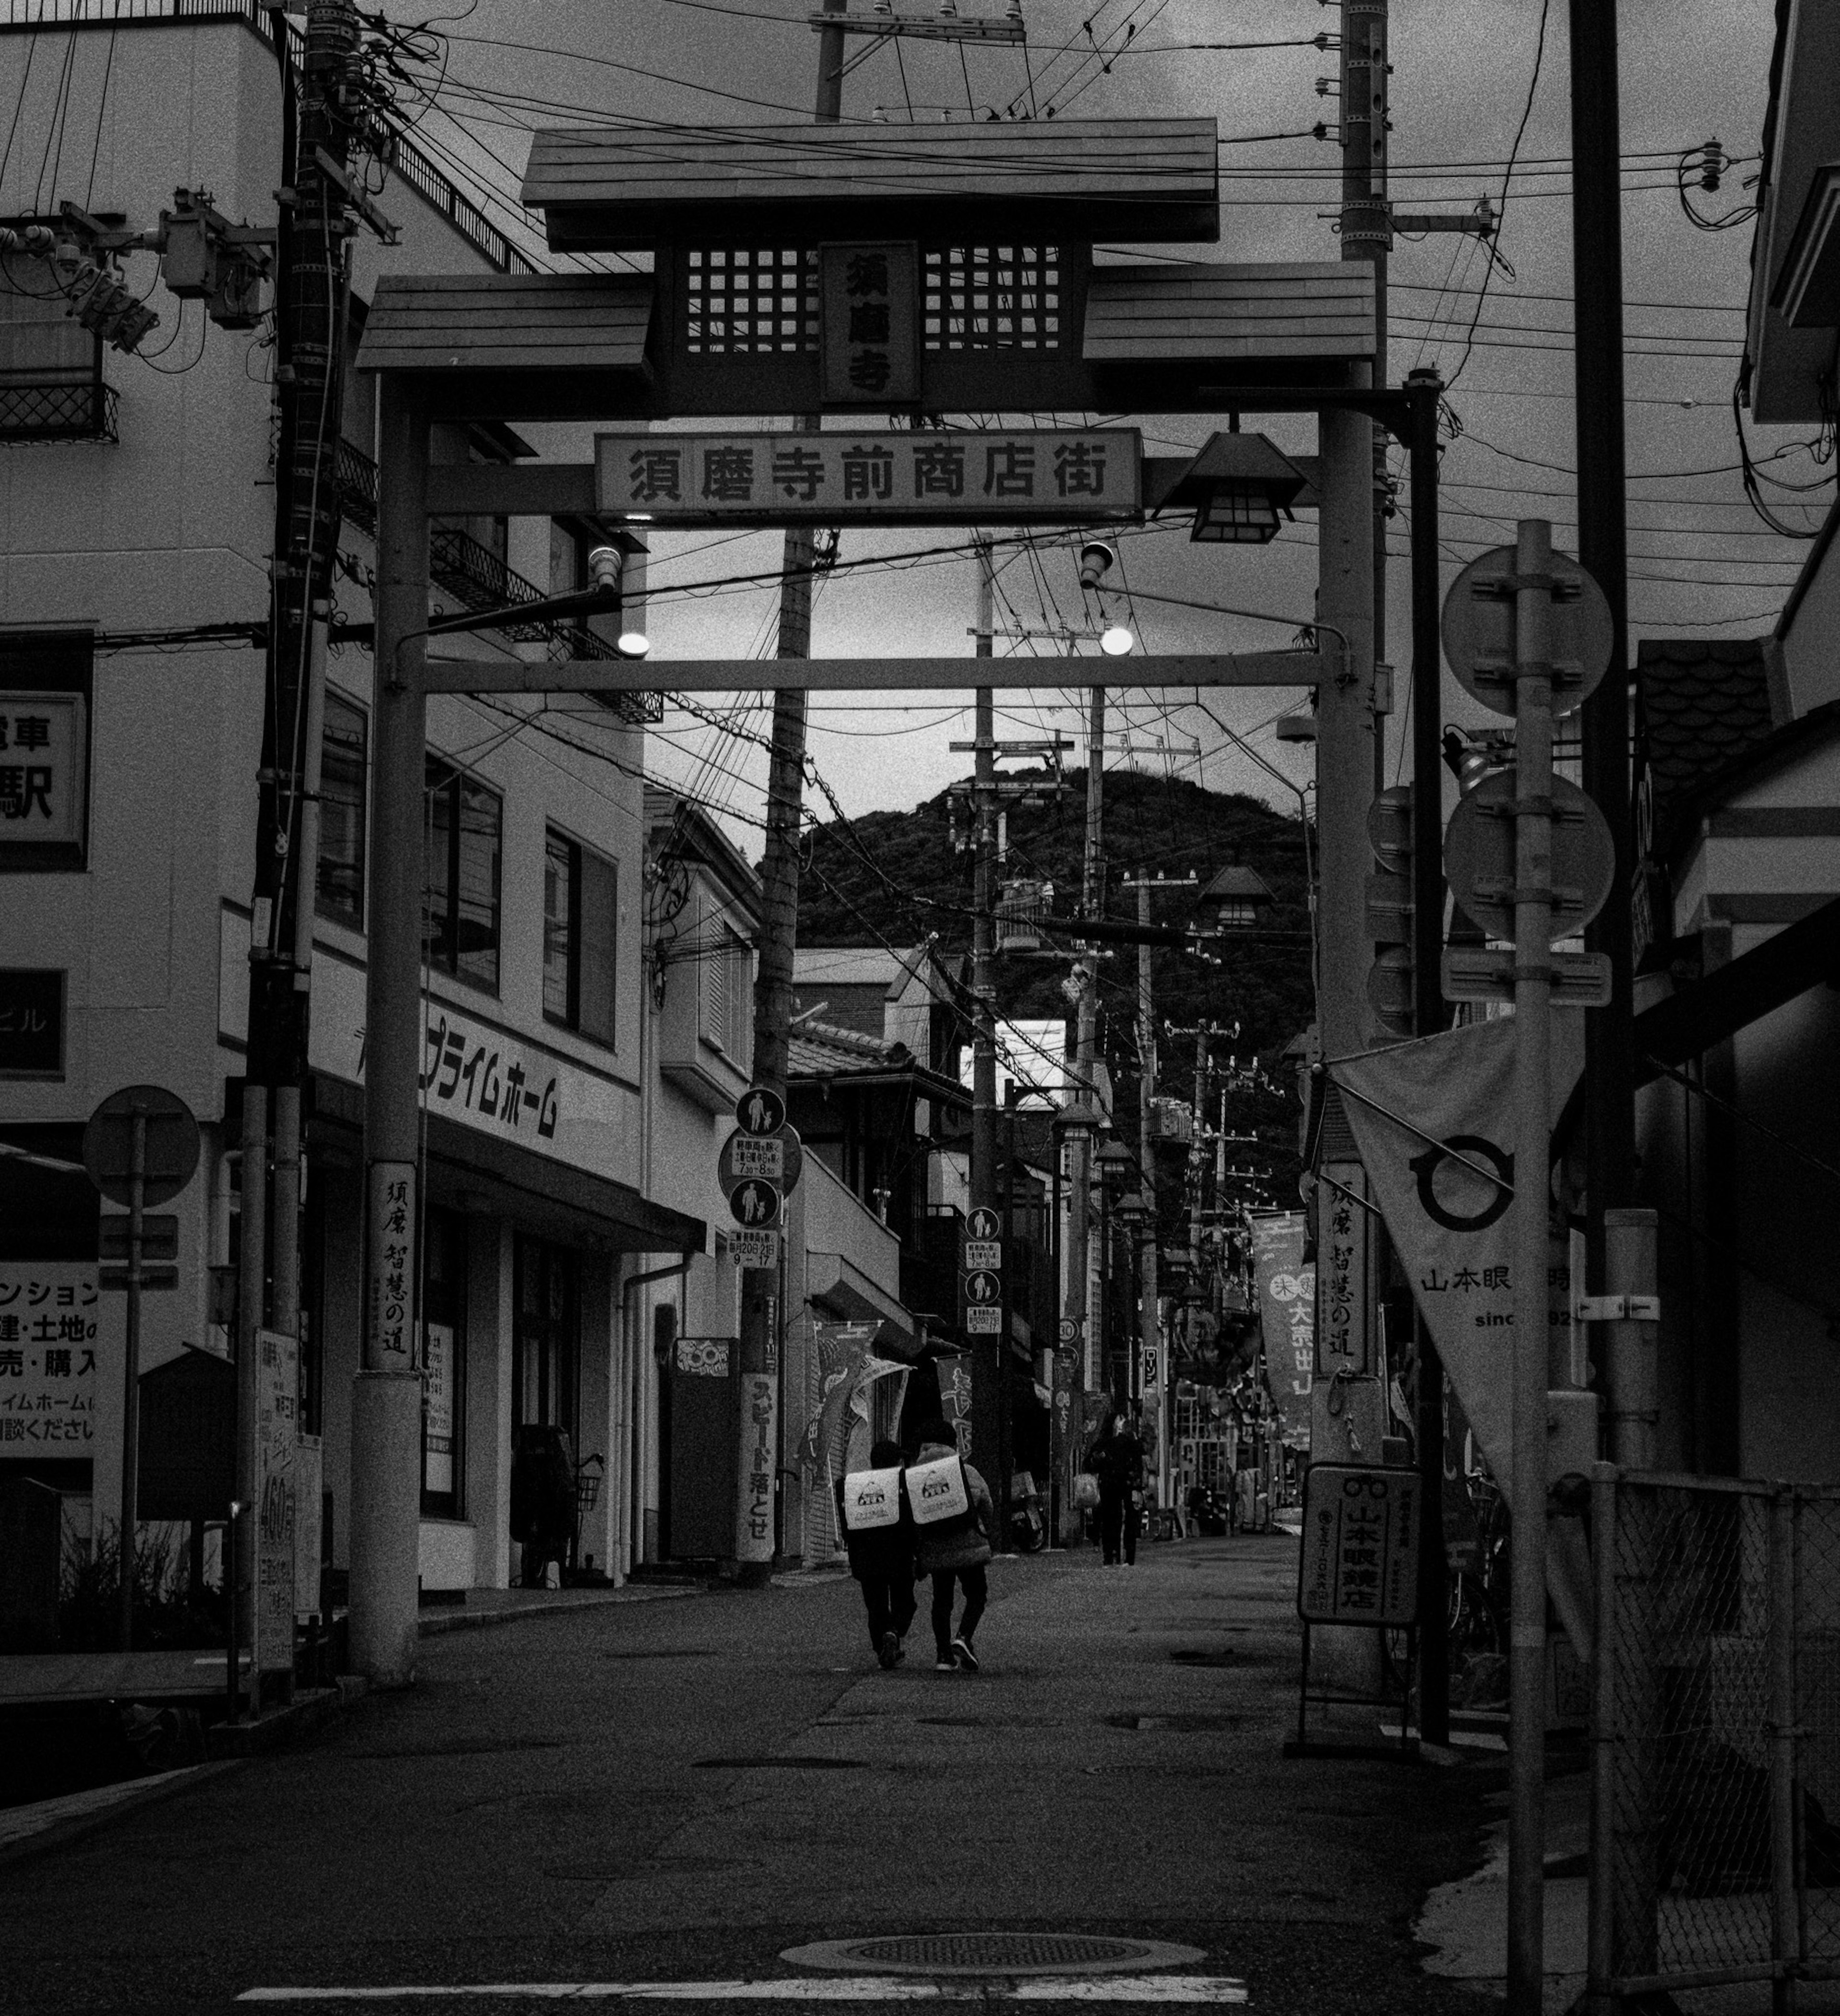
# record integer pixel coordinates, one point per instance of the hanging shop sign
(999, 476)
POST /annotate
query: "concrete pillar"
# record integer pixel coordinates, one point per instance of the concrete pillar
(386, 1525)
(488, 1421)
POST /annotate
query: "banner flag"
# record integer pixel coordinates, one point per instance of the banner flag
(1287, 1316)
(1433, 1120)
(841, 1347)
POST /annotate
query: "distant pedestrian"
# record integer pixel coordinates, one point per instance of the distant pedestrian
(951, 1548)
(1117, 1462)
(878, 1530)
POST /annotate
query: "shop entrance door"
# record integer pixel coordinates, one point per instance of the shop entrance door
(546, 1336)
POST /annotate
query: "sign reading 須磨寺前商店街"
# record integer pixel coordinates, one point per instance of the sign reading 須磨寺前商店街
(48, 1358)
(1009, 475)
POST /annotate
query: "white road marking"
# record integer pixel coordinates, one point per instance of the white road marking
(1216, 1990)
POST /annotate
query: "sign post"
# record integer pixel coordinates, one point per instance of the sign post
(141, 1147)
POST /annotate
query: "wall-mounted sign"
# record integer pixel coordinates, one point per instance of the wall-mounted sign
(48, 1358)
(1007, 475)
(705, 1357)
(44, 762)
(31, 1022)
(756, 1248)
(870, 326)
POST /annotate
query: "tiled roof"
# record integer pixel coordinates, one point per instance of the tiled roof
(818, 1049)
(1705, 704)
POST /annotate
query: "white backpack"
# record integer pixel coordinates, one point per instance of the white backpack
(937, 1490)
(871, 1498)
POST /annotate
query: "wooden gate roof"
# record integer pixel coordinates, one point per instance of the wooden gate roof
(1145, 181)
(1245, 314)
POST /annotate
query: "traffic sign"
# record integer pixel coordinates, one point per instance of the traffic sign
(170, 1146)
(982, 1253)
(984, 1322)
(757, 1248)
(161, 1275)
(1070, 1329)
(1485, 973)
(1478, 632)
(1479, 857)
(159, 1237)
(754, 1203)
(983, 1223)
(760, 1110)
(780, 1158)
(983, 1287)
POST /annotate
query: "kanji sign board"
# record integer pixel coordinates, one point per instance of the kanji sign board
(49, 1375)
(43, 749)
(999, 476)
(1359, 1563)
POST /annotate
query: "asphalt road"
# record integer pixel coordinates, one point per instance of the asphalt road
(679, 1790)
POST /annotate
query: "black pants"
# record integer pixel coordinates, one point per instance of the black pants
(1120, 1522)
(976, 1594)
(889, 1601)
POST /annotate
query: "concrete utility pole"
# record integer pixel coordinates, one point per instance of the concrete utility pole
(311, 296)
(1596, 286)
(989, 1364)
(779, 915)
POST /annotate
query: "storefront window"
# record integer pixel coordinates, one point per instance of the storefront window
(444, 1304)
(546, 1335)
(461, 908)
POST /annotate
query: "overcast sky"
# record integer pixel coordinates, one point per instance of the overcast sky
(1701, 563)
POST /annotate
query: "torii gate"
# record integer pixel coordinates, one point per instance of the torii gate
(987, 300)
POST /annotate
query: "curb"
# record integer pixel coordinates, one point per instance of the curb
(58, 1833)
(277, 1727)
(442, 1622)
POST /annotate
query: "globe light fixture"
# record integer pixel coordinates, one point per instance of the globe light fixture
(633, 644)
(1118, 641)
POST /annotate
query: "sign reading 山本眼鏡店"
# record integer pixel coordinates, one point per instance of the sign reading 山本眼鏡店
(44, 749)
(1006, 475)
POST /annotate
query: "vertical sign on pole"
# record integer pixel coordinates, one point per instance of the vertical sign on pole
(277, 1424)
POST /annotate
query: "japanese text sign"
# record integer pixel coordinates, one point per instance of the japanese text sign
(760, 1425)
(1342, 1274)
(31, 1022)
(1359, 1563)
(392, 1265)
(870, 328)
(48, 1358)
(1018, 476)
(1288, 1316)
(277, 1429)
(42, 761)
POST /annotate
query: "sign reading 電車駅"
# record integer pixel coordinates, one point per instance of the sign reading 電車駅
(996, 476)
(43, 751)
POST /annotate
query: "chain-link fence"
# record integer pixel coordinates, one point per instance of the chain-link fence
(1717, 1712)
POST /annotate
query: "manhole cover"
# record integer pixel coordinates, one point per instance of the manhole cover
(992, 1953)
(779, 1764)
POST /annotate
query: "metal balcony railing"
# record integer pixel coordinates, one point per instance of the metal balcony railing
(69, 409)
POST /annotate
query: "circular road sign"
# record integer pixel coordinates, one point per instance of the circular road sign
(754, 1203)
(983, 1223)
(760, 1110)
(792, 1158)
(983, 1288)
(1069, 1329)
(1479, 857)
(169, 1151)
(1478, 632)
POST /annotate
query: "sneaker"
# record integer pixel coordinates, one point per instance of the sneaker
(963, 1652)
(900, 1652)
(946, 1665)
(889, 1650)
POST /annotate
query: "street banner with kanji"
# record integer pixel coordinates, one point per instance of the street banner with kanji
(999, 476)
(1287, 1316)
(1433, 1120)
(49, 1377)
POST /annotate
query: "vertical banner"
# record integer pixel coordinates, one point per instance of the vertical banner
(437, 1407)
(277, 1425)
(954, 1394)
(1286, 1314)
(309, 1514)
(390, 1260)
(760, 1423)
(1342, 1343)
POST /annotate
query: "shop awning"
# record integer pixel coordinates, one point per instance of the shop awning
(840, 1287)
(472, 1170)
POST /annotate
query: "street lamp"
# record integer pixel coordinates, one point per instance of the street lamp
(1236, 487)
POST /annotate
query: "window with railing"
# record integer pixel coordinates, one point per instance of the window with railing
(51, 368)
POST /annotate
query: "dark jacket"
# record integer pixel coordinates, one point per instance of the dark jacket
(963, 1542)
(880, 1553)
(1117, 1462)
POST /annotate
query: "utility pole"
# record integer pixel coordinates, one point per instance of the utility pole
(1596, 286)
(779, 915)
(312, 297)
(990, 1363)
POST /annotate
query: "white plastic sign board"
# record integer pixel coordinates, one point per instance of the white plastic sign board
(984, 1323)
(936, 1491)
(871, 1498)
(754, 1157)
(756, 1247)
(1359, 1563)
(983, 1253)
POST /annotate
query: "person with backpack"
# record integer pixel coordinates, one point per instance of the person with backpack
(878, 1531)
(954, 1519)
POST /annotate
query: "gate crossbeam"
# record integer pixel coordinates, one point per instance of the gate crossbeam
(601, 675)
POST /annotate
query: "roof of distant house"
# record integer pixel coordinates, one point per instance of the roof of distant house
(1707, 706)
(855, 966)
(817, 1050)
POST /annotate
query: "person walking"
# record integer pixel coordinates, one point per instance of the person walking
(952, 1549)
(1117, 1462)
(880, 1547)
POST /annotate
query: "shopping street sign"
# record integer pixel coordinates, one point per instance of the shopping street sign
(1014, 476)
